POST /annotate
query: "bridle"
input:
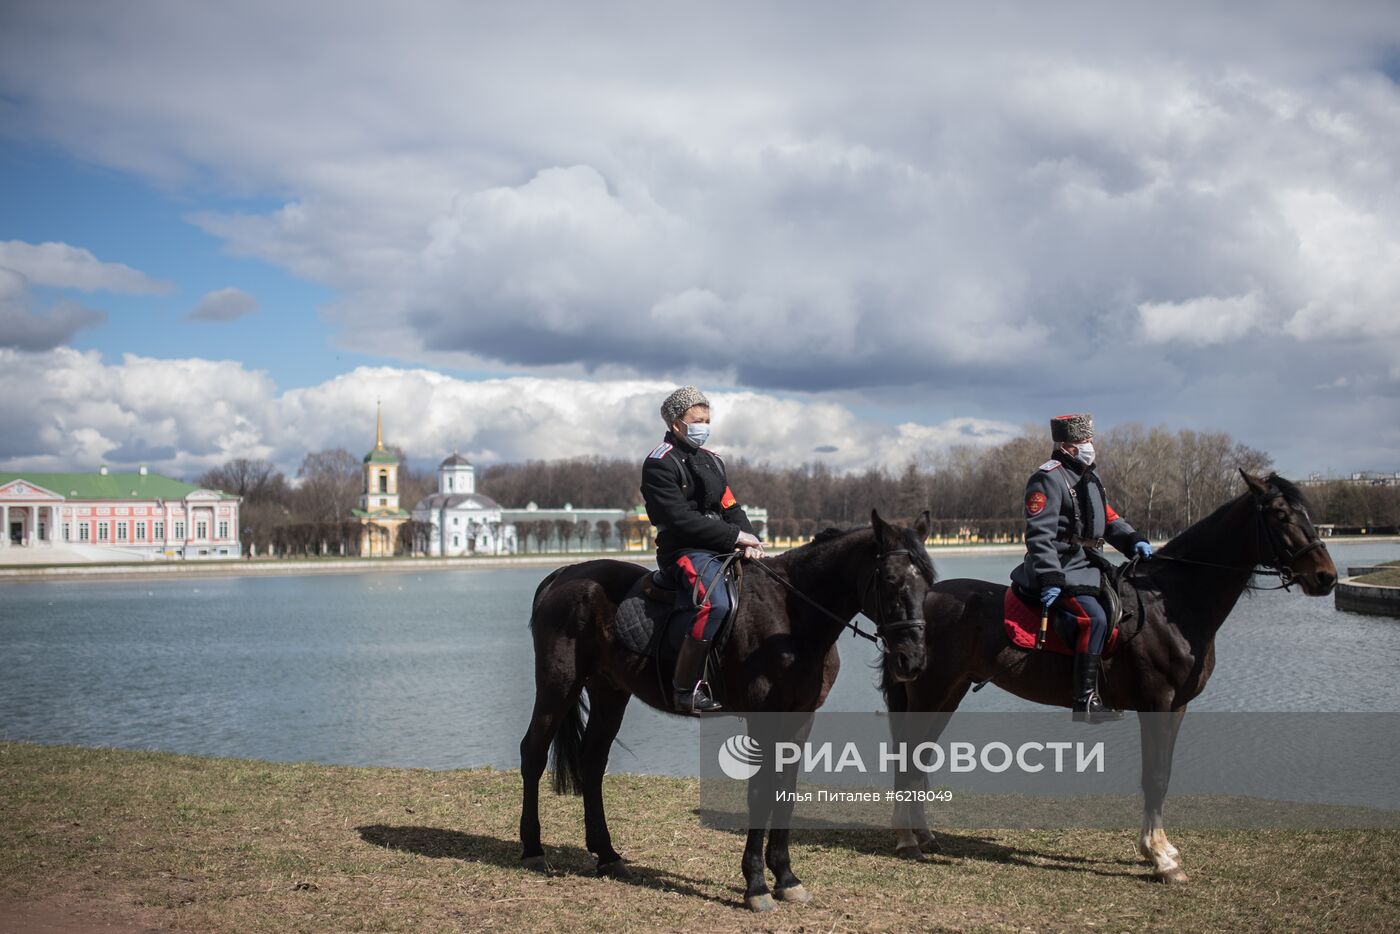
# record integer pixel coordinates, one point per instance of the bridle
(1283, 556)
(883, 626)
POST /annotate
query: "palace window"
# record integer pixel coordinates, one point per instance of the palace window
(102, 535)
(67, 531)
(159, 532)
(179, 529)
(456, 520)
(84, 531)
(223, 528)
(121, 531)
(201, 529)
(384, 481)
(140, 531)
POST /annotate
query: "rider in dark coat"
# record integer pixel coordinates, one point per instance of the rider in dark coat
(1067, 517)
(699, 522)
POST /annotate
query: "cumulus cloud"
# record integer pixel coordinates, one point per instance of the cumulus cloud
(1206, 320)
(839, 200)
(68, 267)
(22, 328)
(187, 415)
(224, 305)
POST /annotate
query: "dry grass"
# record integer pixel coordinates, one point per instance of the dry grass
(224, 845)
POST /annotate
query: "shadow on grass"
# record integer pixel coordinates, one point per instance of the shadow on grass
(436, 843)
(953, 847)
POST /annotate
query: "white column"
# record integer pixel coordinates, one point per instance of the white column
(34, 525)
(5, 537)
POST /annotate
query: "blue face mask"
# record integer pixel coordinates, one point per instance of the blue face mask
(697, 433)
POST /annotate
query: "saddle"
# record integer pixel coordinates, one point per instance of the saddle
(644, 618)
(1021, 612)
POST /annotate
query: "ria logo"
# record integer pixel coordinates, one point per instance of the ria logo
(740, 757)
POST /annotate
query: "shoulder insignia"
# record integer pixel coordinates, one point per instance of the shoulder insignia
(1049, 465)
(1035, 503)
(728, 501)
(661, 450)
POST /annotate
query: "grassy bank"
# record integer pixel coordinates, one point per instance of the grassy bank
(145, 840)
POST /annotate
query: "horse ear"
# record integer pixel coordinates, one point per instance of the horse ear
(881, 527)
(1257, 486)
(923, 525)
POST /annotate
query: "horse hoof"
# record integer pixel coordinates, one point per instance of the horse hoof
(911, 853)
(616, 869)
(537, 864)
(797, 894)
(928, 842)
(761, 903)
(1175, 876)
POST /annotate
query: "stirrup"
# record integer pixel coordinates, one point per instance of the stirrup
(696, 701)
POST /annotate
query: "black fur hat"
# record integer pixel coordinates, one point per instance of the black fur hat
(1072, 429)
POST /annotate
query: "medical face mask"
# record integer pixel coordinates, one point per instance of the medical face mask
(1086, 453)
(697, 433)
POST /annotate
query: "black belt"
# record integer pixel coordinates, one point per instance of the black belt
(1093, 544)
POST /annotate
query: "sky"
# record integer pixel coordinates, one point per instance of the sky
(868, 231)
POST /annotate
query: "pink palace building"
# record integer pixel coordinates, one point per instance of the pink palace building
(139, 515)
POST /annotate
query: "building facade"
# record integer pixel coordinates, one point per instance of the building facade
(380, 516)
(139, 514)
(458, 519)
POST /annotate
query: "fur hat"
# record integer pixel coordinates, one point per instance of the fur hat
(680, 402)
(1072, 429)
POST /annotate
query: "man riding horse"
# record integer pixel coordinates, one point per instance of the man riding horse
(699, 523)
(1068, 519)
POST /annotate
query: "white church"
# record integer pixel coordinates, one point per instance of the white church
(463, 521)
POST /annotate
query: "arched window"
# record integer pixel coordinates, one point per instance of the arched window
(449, 483)
(384, 481)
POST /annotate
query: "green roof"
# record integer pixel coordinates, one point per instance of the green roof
(111, 486)
(380, 457)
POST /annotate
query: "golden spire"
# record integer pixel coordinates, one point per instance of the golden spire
(378, 425)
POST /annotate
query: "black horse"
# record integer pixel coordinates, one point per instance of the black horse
(781, 657)
(1164, 657)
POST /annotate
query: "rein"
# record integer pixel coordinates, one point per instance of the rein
(1283, 556)
(881, 624)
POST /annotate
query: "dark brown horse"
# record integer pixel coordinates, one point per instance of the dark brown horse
(780, 657)
(1164, 657)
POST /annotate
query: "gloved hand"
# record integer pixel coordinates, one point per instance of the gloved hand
(1143, 549)
(1049, 595)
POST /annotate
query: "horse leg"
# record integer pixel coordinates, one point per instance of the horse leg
(786, 885)
(606, 708)
(920, 841)
(551, 705)
(1159, 731)
(761, 792)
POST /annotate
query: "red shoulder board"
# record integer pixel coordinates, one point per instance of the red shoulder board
(661, 450)
(728, 501)
(1035, 503)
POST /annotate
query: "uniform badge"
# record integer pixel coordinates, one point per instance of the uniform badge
(1035, 503)
(728, 501)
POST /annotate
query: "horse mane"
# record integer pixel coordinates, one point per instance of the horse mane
(911, 541)
(1204, 534)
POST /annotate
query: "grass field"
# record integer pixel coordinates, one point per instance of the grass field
(129, 841)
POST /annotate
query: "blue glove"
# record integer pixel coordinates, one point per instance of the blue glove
(1049, 595)
(1143, 549)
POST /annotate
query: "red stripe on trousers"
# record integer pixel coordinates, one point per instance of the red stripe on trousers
(702, 612)
(1085, 624)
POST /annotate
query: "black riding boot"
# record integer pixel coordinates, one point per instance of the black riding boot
(1087, 706)
(690, 668)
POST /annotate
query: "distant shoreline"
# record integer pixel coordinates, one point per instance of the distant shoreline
(292, 567)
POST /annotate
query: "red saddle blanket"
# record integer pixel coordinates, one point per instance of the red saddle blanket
(1023, 624)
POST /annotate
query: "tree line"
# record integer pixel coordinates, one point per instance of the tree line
(1159, 479)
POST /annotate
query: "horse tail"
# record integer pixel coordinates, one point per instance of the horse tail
(567, 754)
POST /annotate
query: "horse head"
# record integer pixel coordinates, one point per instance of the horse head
(1288, 541)
(901, 576)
